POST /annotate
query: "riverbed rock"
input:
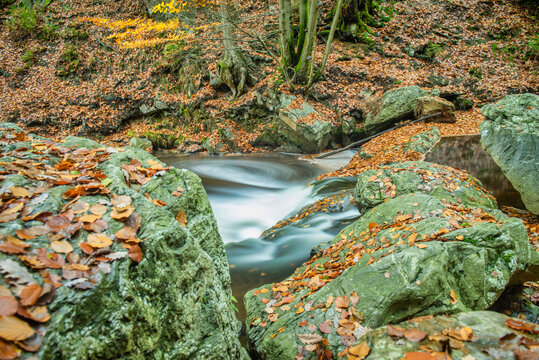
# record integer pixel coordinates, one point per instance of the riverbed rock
(479, 335)
(302, 126)
(394, 105)
(429, 105)
(510, 134)
(443, 182)
(174, 303)
(397, 261)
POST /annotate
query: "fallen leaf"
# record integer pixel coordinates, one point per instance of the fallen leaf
(120, 201)
(414, 335)
(98, 209)
(36, 313)
(12, 328)
(325, 327)
(30, 294)
(394, 331)
(310, 339)
(122, 214)
(521, 325)
(418, 355)
(182, 218)
(135, 253)
(342, 302)
(453, 297)
(89, 218)
(8, 305)
(360, 351)
(62, 247)
(354, 298)
(98, 240)
(8, 351)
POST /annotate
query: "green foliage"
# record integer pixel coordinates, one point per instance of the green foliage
(29, 57)
(69, 62)
(48, 32)
(476, 72)
(433, 49)
(532, 51)
(73, 33)
(23, 21)
(234, 305)
(4, 3)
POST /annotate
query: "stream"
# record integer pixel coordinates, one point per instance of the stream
(251, 193)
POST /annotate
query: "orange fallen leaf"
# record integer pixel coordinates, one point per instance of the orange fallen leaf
(30, 294)
(135, 253)
(181, 217)
(62, 247)
(359, 351)
(14, 329)
(453, 297)
(8, 305)
(98, 240)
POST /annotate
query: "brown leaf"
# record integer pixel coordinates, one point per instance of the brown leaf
(360, 351)
(122, 214)
(178, 191)
(135, 253)
(8, 351)
(86, 248)
(79, 207)
(273, 317)
(36, 313)
(50, 260)
(354, 298)
(8, 305)
(310, 339)
(521, 325)
(414, 335)
(12, 328)
(120, 201)
(30, 294)
(182, 218)
(395, 331)
(325, 327)
(418, 355)
(126, 233)
(30, 233)
(98, 241)
(62, 247)
(98, 209)
(342, 302)
(89, 218)
(303, 323)
(9, 247)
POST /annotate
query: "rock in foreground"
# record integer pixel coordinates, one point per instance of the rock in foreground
(510, 134)
(474, 335)
(121, 251)
(410, 256)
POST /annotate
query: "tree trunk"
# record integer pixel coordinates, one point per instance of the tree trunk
(356, 15)
(233, 68)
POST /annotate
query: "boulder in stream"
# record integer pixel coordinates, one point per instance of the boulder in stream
(394, 105)
(125, 252)
(413, 255)
(479, 335)
(510, 134)
(389, 181)
(430, 105)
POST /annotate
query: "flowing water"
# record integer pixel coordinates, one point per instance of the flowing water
(251, 193)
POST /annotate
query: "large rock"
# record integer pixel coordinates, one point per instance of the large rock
(393, 106)
(174, 303)
(430, 105)
(303, 127)
(410, 256)
(443, 182)
(510, 134)
(479, 335)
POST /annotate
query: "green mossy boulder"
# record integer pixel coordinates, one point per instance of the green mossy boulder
(510, 134)
(410, 256)
(394, 105)
(443, 182)
(491, 338)
(174, 304)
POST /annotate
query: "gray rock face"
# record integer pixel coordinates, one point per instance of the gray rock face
(429, 105)
(175, 303)
(490, 338)
(308, 135)
(510, 134)
(410, 256)
(393, 106)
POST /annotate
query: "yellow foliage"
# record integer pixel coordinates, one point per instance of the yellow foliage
(138, 33)
(177, 6)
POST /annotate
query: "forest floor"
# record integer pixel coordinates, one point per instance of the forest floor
(88, 67)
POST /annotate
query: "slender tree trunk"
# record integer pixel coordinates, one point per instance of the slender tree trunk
(329, 41)
(307, 55)
(233, 68)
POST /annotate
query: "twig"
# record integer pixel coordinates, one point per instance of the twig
(366, 140)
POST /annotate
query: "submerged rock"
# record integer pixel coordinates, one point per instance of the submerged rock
(169, 299)
(473, 335)
(443, 182)
(510, 134)
(393, 106)
(410, 256)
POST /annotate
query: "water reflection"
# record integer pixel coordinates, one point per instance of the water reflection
(466, 153)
